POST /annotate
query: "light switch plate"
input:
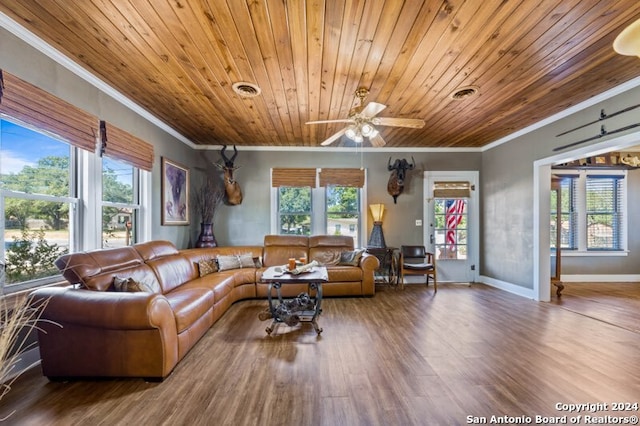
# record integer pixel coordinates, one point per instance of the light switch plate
(418, 222)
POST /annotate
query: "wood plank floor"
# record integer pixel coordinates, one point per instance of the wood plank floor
(400, 358)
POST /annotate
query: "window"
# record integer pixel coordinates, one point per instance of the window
(38, 203)
(294, 210)
(334, 208)
(53, 195)
(343, 211)
(568, 215)
(120, 206)
(604, 212)
(593, 212)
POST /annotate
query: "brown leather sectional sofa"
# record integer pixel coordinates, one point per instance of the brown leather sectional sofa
(145, 334)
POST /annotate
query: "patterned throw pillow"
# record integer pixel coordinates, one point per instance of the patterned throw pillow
(207, 266)
(129, 285)
(350, 258)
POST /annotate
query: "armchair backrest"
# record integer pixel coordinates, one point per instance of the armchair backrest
(413, 252)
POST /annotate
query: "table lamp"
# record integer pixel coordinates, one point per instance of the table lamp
(376, 239)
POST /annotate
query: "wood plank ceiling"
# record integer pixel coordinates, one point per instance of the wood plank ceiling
(179, 59)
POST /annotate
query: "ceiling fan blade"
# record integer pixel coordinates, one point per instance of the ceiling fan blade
(415, 123)
(333, 137)
(372, 109)
(341, 120)
(377, 140)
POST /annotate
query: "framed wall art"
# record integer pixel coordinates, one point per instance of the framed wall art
(175, 193)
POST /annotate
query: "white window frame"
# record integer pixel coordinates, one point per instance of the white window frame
(319, 212)
(85, 214)
(581, 214)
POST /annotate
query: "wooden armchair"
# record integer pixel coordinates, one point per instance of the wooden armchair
(415, 260)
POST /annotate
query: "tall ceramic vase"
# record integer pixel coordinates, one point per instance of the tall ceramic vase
(206, 237)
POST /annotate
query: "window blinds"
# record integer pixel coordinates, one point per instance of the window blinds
(342, 177)
(33, 106)
(452, 189)
(604, 212)
(121, 145)
(293, 177)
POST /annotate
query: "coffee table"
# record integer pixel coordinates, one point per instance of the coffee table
(276, 277)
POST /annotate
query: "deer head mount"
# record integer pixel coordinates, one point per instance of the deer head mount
(398, 170)
(233, 193)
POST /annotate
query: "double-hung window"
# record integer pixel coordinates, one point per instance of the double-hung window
(120, 203)
(39, 202)
(302, 207)
(59, 190)
(593, 211)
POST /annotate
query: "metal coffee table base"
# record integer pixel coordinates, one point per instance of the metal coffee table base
(303, 315)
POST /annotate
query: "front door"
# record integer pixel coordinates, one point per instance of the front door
(451, 224)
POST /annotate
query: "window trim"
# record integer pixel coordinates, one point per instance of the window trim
(318, 209)
(580, 177)
(85, 199)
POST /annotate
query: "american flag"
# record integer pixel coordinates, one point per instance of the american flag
(453, 216)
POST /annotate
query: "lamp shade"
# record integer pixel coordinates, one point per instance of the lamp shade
(377, 211)
(628, 41)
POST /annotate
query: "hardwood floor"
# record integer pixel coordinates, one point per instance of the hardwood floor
(399, 358)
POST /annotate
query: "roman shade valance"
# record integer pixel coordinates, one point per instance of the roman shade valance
(342, 177)
(121, 145)
(452, 189)
(33, 106)
(293, 177)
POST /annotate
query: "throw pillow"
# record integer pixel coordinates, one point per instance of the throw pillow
(233, 261)
(207, 266)
(228, 262)
(350, 258)
(129, 285)
(246, 261)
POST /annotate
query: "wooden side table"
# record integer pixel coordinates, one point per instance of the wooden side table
(387, 272)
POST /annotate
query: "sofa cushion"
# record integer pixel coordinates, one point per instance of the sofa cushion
(189, 305)
(278, 249)
(173, 270)
(326, 249)
(344, 273)
(154, 249)
(350, 258)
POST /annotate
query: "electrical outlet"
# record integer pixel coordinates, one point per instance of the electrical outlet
(418, 222)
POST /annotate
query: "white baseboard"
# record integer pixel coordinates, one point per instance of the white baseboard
(511, 288)
(600, 278)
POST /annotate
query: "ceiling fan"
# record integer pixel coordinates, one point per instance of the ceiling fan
(363, 121)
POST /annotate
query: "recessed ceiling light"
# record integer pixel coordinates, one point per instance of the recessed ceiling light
(246, 90)
(464, 92)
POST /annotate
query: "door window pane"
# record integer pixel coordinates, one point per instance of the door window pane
(451, 228)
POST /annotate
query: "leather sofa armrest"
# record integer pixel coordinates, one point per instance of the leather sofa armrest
(369, 262)
(107, 310)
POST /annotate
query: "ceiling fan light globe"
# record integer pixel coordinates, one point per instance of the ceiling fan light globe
(367, 129)
(351, 132)
(358, 138)
(374, 132)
